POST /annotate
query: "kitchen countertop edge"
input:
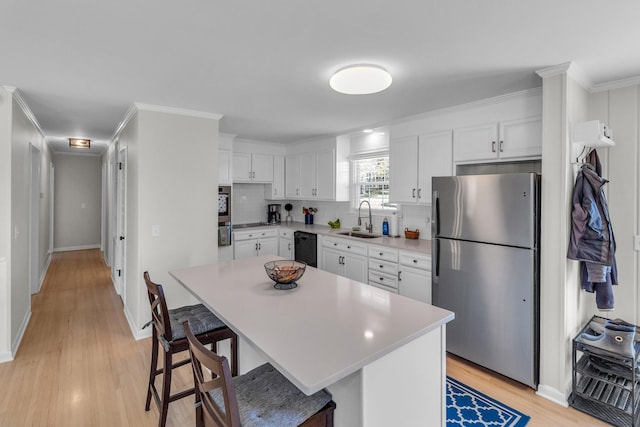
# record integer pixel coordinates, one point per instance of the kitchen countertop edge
(400, 243)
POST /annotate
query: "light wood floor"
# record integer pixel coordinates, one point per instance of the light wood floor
(78, 364)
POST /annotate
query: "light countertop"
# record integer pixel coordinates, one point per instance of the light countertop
(401, 243)
(318, 333)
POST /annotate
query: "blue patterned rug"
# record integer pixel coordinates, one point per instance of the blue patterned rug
(467, 407)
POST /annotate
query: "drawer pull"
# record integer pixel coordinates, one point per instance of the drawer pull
(415, 261)
(381, 253)
(382, 279)
(381, 266)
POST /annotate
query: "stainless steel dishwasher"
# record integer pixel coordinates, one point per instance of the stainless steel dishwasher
(306, 247)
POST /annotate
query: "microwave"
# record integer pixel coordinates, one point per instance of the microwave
(224, 204)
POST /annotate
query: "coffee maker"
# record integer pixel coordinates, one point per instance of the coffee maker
(273, 214)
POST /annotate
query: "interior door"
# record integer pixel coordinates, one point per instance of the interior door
(121, 225)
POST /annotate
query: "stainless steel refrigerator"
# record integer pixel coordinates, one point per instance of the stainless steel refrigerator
(485, 235)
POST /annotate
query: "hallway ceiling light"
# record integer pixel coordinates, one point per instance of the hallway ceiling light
(360, 80)
(78, 142)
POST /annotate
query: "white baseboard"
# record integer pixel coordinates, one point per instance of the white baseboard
(5, 356)
(552, 394)
(43, 273)
(138, 334)
(20, 335)
(76, 248)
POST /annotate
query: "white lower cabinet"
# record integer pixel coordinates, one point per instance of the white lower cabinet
(285, 243)
(254, 243)
(414, 276)
(383, 268)
(345, 258)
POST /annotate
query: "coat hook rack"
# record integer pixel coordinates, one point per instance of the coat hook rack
(586, 136)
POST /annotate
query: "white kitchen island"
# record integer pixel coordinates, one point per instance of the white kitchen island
(381, 355)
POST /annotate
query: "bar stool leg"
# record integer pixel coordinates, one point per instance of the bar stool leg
(152, 369)
(166, 388)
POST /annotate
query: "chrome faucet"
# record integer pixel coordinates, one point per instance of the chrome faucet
(369, 226)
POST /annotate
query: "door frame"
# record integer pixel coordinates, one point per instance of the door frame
(34, 218)
(120, 256)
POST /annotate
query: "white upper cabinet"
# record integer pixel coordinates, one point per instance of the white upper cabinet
(277, 189)
(414, 160)
(252, 167)
(325, 175)
(292, 176)
(512, 139)
(403, 170)
(224, 167)
(312, 175)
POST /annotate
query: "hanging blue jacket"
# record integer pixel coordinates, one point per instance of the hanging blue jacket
(592, 240)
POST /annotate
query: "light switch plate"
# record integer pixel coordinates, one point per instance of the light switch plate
(636, 243)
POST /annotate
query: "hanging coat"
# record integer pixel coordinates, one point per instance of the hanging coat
(592, 241)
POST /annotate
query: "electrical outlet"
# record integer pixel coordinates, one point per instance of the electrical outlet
(636, 243)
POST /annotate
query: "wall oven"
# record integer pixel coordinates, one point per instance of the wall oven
(224, 215)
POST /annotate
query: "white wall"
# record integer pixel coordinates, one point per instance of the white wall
(18, 129)
(78, 201)
(171, 182)
(5, 223)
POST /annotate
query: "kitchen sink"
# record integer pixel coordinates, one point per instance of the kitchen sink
(359, 234)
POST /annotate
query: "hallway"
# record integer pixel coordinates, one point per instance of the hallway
(78, 364)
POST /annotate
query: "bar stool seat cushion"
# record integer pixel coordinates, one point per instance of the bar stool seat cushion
(200, 319)
(266, 398)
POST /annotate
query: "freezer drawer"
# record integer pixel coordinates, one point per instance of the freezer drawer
(493, 291)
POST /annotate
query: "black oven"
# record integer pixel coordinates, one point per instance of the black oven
(224, 204)
(224, 215)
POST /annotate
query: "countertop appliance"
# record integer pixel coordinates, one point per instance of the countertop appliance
(224, 215)
(306, 247)
(485, 258)
(273, 213)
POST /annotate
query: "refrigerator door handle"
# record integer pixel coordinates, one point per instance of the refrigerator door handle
(435, 214)
(436, 263)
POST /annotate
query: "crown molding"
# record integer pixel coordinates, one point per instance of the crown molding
(177, 111)
(570, 69)
(131, 111)
(15, 93)
(138, 106)
(616, 84)
(537, 91)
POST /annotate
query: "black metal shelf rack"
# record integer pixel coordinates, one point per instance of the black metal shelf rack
(605, 383)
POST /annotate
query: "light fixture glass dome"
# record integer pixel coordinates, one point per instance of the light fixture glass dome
(360, 80)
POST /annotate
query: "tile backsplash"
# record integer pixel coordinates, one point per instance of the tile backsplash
(249, 206)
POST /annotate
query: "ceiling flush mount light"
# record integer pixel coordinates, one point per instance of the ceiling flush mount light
(360, 80)
(78, 142)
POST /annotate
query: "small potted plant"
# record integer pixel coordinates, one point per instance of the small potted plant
(308, 214)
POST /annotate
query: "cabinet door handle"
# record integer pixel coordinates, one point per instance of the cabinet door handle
(493, 146)
(501, 146)
(297, 191)
(413, 193)
(382, 279)
(381, 266)
(380, 253)
(289, 246)
(415, 261)
(259, 246)
(335, 244)
(419, 193)
(399, 279)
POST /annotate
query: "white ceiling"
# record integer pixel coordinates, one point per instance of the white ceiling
(265, 64)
